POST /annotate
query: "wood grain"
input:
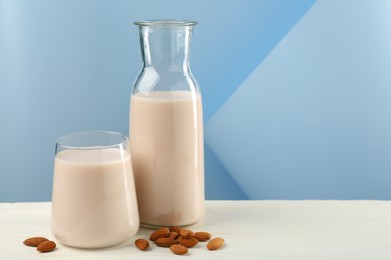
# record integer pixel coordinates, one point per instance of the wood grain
(251, 229)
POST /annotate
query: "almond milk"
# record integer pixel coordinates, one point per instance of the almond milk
(167, 152)
(94, 203)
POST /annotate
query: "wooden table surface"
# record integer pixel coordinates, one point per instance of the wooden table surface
(252, 230)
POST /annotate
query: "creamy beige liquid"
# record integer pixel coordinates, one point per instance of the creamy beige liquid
(167, 152)
(94, 202)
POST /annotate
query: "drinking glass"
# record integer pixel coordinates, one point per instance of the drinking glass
(94, 201)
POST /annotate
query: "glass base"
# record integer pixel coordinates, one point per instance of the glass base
(96, 247)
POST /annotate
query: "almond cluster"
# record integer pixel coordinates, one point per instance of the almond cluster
(179, 240)
(42, 244)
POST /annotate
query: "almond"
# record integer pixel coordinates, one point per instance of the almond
(186, 233)
(202, 236)
(46, 246)
(188, 242)
(173, 235)
(165, 242)
(34, 241)
(142, 244)
(178, 249)
(215, 243)
(175, 229)
(161, 232)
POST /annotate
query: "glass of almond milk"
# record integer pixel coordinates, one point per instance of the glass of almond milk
(94, 201)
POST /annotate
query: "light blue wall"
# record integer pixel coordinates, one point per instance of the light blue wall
(296, 93)
(313, 120)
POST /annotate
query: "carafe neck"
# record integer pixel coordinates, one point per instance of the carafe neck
(165, 44)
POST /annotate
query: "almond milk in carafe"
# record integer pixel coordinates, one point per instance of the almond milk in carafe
(166, 129)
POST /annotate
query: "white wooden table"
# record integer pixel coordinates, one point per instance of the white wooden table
(252, 230)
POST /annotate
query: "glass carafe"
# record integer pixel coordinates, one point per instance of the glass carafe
(166, 129)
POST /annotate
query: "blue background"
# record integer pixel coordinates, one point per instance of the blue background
(296, 94)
